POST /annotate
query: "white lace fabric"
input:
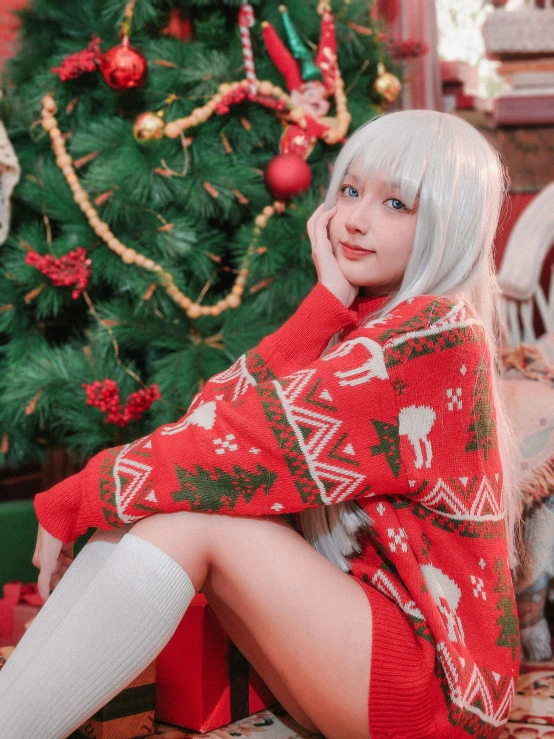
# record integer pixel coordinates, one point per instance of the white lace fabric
(10, 172)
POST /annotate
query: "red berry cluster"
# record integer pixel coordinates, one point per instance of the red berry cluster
(105, 396)
(74, 268)
(408, 49)
(76, 64)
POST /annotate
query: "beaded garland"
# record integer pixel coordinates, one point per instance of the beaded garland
(131, 256)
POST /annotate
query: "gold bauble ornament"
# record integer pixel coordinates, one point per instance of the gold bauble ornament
(148, 127)
(386, 84)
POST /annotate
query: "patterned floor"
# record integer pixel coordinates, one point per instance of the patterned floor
(274, 723)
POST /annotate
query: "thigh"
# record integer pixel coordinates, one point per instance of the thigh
(304, 624)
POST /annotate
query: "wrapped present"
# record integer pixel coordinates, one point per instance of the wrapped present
(20, 604)
(203, 681)
(130, 714)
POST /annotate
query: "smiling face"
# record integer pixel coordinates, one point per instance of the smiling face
(372, 232)
(312, 96)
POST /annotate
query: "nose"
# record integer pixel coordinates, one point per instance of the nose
(358, 219)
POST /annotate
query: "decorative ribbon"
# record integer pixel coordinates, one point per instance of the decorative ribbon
(239, 679)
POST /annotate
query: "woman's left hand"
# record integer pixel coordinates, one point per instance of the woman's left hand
(53, 558)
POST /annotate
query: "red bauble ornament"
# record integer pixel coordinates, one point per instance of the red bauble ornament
(287, 175)
(123, 67)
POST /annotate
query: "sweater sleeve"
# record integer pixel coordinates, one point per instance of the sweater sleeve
(275, 446)
(299, 341)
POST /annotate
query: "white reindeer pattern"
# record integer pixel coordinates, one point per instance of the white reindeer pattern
(203, 415)
(446, 595)
(374, 366)
(415, 422)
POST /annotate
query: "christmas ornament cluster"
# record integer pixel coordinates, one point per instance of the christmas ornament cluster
(106, 397)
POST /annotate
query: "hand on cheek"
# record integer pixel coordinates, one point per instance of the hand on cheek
(328, 270)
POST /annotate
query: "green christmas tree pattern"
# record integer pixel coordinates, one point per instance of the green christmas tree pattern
(216, 489)
(390, 444)
(483, 426)
(509, 636)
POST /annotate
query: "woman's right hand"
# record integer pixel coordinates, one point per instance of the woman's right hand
(328, 271)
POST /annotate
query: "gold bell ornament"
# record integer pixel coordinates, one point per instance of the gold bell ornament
(148, 127)
(386, 84)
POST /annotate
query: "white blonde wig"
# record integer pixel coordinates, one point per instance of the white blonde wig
(461, 184)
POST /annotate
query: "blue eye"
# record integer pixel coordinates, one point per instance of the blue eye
(349, 187)
(397, 204)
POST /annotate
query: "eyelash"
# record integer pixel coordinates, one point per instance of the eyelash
(398, 210)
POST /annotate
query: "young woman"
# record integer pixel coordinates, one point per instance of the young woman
(382, 604)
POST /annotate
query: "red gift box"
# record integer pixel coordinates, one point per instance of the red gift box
(20, 604)
(202, 680)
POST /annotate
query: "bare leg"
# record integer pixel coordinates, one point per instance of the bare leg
(304, 624)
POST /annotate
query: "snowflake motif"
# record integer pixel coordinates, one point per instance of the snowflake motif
(277, 507)
(254, 450)
(479, 589)
(399, 539)
(226, 445)
(219, 397)
(381, 509)
(482, 563)
(455, 398)
(463, 369)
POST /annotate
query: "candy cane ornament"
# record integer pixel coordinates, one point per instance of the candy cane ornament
(246, 21)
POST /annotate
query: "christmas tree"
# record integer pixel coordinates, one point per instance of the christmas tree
(171, 153)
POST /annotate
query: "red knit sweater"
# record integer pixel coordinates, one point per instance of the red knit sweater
(398, 416)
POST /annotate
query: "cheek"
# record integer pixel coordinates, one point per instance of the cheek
(407, 242)
(333, 230)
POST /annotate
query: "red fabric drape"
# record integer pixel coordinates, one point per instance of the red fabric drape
(9, 26)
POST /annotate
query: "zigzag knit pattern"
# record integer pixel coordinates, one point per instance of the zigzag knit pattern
(399, 417)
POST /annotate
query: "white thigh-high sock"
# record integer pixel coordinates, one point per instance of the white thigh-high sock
(75, 581)
(114, 628)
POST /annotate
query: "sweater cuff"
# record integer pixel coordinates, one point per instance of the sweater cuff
(318, 318)
(62, 509)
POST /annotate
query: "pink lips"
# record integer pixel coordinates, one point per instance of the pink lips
(354, 252)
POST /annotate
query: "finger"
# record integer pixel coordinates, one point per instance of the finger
(36, 553)
(315, 215)
(43, 584)
(328, 214)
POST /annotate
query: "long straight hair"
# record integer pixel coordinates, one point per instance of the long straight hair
(461, 183)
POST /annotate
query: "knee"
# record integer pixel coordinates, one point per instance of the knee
(184, 535)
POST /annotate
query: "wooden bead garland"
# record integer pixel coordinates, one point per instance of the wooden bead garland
(131, 256)
(292, 112)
